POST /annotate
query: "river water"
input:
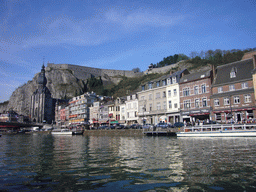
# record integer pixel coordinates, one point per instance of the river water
(39, 162)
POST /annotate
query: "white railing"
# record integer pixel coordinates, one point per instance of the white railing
(220, 127)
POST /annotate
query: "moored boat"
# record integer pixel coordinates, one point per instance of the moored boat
(61, 132)
(220, 130)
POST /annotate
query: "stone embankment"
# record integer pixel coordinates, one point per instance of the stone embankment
(115, 132)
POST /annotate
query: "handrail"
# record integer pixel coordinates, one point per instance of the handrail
(219, 127)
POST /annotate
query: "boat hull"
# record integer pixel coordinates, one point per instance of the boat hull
(65, 133)
(218, 134)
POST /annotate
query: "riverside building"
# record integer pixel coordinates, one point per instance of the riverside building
(159, 99)
(233, 93)
(195, 92)
(79, 108)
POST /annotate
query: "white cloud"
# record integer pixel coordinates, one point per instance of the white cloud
(107, 26)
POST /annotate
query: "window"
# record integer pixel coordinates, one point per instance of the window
(218, 117)
(204, 101)
(142, 97)
(220, 89)
(143, 87)
(196, 103)
(157, 95)
(231, 87)
(233, 72)
(216, 102)
(150, 86)
(226, 101)
(164, 105)
(187, 104)
(186, 91)
(174, 80)
(244, 85)
(168, 81)
(150, 107)
(169, 93)
(164, 94)
(175, 105)
(203, 88)
(164, 82)
(150, 97)
(247, 98)
(236, 99)
(174, 92)
(157, 84)
(158, 106)
(196, 90)
(170, 104)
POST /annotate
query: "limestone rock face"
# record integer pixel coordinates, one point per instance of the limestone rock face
(61, 83)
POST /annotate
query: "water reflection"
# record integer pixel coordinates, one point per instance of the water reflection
(219, 163)
(105, 163)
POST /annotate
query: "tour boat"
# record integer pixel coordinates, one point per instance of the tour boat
(61, 132)
(220, 130)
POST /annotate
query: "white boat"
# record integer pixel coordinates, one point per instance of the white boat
(220, 130)
(61, 132)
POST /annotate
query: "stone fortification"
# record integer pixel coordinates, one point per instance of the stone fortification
(161, 69)
(83, 72)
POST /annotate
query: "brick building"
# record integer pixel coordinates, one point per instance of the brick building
(233, 93)
(195, 92)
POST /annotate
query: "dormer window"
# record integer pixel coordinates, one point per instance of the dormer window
(143, 87)
(157, 84)
(168, 81)
(233, 72)
(150, 86)
(164, 82)
(174, 80)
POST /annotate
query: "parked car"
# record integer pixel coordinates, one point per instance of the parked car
(147, 126)
(103, 127)
(178, 124)
(162, 125)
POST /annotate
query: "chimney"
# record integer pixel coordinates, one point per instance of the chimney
(254, 61)
(213, 72)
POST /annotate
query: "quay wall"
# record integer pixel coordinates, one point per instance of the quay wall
(116, 132)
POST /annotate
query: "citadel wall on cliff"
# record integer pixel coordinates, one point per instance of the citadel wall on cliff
(84, 72)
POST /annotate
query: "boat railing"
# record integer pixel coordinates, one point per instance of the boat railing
(220, 127)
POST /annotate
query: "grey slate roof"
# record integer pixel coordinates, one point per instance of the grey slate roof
(195, 76)
(243, 70)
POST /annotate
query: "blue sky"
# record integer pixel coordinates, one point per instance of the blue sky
(115, 34)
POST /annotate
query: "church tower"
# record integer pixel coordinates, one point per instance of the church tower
(41, 108)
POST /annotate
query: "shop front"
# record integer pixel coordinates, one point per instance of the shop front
(242, 115)
(193, 117)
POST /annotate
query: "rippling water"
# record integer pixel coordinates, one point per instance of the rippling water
(103, 163)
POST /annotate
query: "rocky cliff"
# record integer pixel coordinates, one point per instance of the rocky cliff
(62, 83)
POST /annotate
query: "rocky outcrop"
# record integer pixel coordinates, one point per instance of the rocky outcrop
(62, 83)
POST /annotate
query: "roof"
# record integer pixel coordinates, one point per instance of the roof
(175, 74)
(242, 71)
(195, 76)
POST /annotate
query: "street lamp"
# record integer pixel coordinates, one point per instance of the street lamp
(230, 109)
(143, 109)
